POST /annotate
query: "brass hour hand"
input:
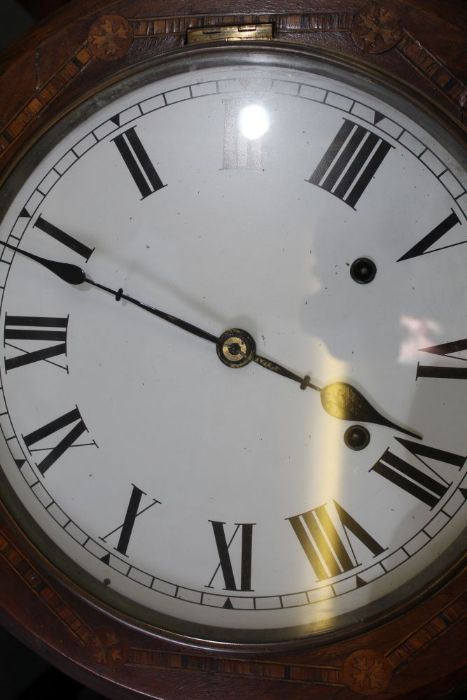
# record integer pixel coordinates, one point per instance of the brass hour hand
(342, 400)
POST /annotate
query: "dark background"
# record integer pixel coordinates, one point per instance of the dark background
(23, 674)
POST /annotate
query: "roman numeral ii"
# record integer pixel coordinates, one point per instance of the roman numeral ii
(138, 162)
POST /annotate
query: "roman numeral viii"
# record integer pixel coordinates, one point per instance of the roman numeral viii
(138, 162)
(426, 484)
(350, 162)
(244, 556)
(67, 440)
(35, 329)
(444, 371)
(324, 534)
(133, 511)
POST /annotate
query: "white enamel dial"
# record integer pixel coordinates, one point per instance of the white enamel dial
(232, 500)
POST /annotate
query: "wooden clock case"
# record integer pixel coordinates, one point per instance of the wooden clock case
(419, 652)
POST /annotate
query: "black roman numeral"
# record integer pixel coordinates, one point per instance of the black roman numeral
(350, 162)
(138, 162)
(324, 546)
(35, 328)
(63, 238)
(422, 247)
(70, 418)
(225, 562)
(132, 512)
(444, 371)
(413, 480)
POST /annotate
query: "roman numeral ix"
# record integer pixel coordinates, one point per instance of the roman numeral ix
(35, 329)
(138, 162)
(329, 552)
(350, 162)
(225, 561)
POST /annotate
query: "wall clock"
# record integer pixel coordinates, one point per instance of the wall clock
(233, 390)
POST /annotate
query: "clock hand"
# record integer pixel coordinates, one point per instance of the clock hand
(339, 399)
(237, 348)
(72, 274)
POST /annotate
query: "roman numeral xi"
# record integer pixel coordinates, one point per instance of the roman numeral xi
(350, 162)
(66, 438)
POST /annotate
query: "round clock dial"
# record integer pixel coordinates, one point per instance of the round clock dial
(233, 373)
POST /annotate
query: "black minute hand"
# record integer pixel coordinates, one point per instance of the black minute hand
(339, 399)
(72, 274)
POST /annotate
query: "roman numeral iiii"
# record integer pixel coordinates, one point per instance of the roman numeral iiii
(350, 162)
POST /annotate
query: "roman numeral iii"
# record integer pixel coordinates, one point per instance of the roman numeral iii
(35, 329)
(132, 512)
(138, 162)
(72, 418)
(350, 162)
(426, 484)
(324, 534)
(242, 579)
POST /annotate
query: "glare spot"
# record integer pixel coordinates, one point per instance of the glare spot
(253, 121)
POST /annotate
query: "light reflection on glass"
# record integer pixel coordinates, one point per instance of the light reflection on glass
(419, 332)
(253, 121)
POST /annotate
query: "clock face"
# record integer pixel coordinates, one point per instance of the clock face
(225, 496)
